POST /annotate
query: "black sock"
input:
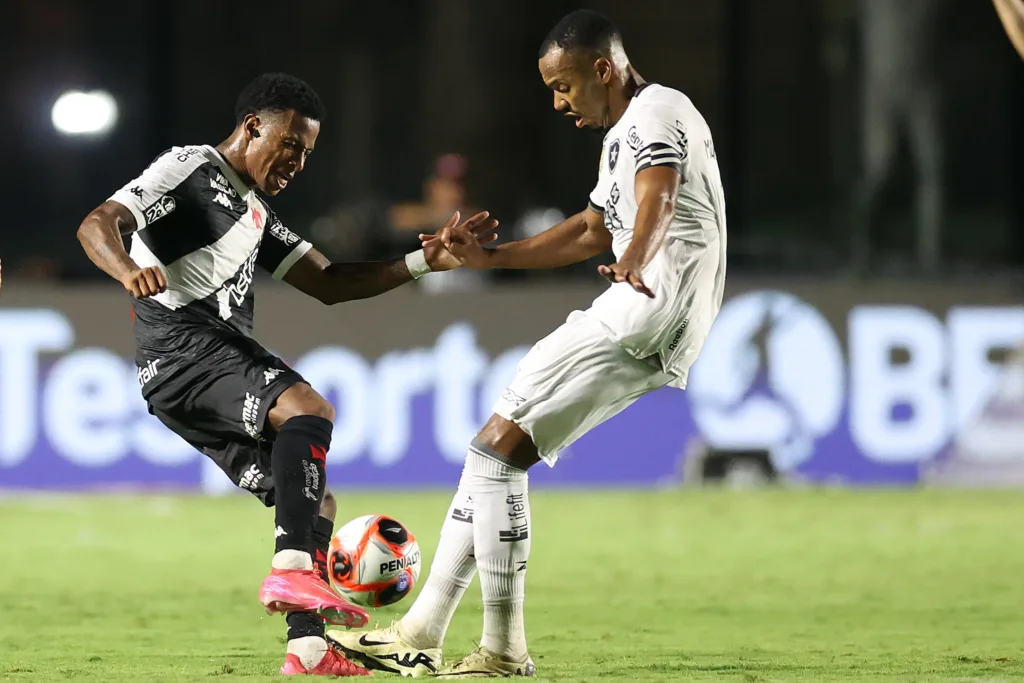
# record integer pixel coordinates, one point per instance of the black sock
(322, 532)
(297, 461)
(302, 624)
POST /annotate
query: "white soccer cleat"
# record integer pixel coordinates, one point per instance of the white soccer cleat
(385, 649)
(482, 663)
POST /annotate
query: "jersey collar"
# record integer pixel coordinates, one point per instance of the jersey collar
(643, 87)
(216, 157)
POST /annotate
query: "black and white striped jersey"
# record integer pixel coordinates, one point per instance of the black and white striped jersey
(207, 231)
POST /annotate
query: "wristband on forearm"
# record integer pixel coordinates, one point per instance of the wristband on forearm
(416, 262)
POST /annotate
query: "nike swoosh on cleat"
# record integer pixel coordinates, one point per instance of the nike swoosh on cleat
(365, 642)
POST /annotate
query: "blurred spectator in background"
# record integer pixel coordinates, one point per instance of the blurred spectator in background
(1011, 13)
(899, 94)
(352, 231)
(535, 219)
(444, 193)
(370, 228)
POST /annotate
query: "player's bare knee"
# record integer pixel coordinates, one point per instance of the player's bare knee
(508, 440)
(300, 399)
(321, 408)
(329, 506)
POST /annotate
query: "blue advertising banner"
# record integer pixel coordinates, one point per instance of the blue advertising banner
(895, 394)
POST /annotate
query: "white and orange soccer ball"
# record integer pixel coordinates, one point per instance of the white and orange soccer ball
(373, 561)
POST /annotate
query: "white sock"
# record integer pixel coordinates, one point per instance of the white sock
(451, 572)
(310, 650)
(501, 537)
(292, 559)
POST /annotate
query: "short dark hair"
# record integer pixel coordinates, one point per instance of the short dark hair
(279, 92)
(583, 29)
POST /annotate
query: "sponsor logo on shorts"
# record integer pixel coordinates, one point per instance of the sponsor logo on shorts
(250, 411)
(678, 335)
(148, 372)
(271, 375)
(251, 479)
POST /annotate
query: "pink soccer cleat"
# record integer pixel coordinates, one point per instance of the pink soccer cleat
(333, 664)
(302, 590)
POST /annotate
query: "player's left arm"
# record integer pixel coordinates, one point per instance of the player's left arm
(300, 265)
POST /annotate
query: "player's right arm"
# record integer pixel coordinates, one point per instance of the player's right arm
(100, 234)
(155, 193)
(575, 239)
(1011, 13)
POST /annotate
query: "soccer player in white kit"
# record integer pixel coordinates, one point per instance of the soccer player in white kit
(658, 204)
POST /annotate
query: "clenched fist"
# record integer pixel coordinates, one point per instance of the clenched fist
(145, 282)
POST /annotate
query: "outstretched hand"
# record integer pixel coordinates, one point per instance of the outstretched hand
(460, 244)
(629, 272)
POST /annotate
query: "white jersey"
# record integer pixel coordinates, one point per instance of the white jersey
(661, 127)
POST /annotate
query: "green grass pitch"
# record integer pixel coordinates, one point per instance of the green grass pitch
(787, 585)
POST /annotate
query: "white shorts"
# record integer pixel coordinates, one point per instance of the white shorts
(573, 380)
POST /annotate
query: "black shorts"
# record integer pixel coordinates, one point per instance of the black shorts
(216, 395)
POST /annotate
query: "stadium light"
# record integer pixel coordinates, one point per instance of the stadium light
(84, 113)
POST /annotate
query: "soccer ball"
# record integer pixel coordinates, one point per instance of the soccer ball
(373, 561)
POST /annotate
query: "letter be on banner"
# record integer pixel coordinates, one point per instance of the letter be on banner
(878, 386)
